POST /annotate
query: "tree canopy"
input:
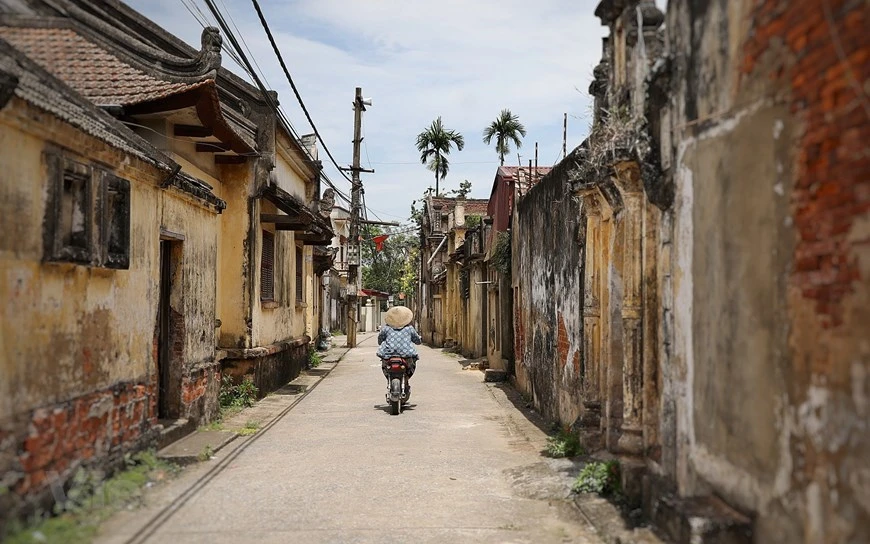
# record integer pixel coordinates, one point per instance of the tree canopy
(393, 269)
(434, 144)
(505, 129)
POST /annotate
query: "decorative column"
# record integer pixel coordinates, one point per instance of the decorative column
(632, 222)
(592, 323)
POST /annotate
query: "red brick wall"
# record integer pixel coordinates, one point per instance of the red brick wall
(829, 65)
(88, 429)
(563, 346)
(818, 53)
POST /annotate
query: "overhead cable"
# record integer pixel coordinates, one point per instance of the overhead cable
(246, 64)
(293, 86)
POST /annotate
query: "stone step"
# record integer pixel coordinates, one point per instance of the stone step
(198, 446)
(493, 375)
(172, 430)
(701, 520)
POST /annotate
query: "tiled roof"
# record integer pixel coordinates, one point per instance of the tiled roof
(473, 206)
(91, 70)
(42, 90)
(511, 171)
(521, 175)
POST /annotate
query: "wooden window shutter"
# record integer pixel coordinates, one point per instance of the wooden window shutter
(300, 277)
(116, 222)
(267, 267)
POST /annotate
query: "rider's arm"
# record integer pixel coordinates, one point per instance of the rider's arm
(382, 335)
(415, 337)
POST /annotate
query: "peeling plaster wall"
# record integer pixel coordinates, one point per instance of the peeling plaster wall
(770, 262)
(549, 333)
(78, 358)
(286, 320)
(234, 294)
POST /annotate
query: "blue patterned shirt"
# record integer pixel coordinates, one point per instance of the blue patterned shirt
(398, 342)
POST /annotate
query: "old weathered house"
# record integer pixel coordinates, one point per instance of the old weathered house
(443, 228)
(707, 327)
(88, 202)
(471, 291)
(150, 260)
(510, 183)
(277, 296)
(338, 275)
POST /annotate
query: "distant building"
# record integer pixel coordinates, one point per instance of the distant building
(444, 224)
(510, 184)
(338, 275)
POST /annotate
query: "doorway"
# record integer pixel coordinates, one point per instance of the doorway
(170, 331)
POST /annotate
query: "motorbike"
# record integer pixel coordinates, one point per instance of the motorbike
(397, 389)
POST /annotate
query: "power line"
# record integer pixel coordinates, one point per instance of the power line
(293, 86)
(245, 43)
(452, 163)
(247, 66)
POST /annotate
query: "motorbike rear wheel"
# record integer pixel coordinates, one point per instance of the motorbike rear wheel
(396, 392)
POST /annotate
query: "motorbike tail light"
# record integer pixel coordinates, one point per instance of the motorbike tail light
(396, 367)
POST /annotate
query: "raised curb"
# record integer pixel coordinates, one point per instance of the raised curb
(192, 447)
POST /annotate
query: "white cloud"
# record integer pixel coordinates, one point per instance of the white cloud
(461, 59)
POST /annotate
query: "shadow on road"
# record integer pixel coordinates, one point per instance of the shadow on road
(386, 407)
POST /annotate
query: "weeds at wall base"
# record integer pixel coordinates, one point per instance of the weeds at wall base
(240, 395)
(601, 478)
(563, 444)
(314, 359)
(89, 498)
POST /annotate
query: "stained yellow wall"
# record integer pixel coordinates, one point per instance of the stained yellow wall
(286, 318)
(69, 329)
(233, 294)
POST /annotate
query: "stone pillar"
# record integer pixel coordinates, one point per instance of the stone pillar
(593, 287)
(613, 262)
(651, 305)
(631, 221)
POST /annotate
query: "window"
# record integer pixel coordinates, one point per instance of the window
(75, 214)
(300, 287)
(87, 214)
(267, 267)
(116, 222)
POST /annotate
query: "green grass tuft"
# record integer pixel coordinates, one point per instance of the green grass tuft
(564, 444)
(599, 477)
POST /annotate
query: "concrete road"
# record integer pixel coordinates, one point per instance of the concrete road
(462, 464)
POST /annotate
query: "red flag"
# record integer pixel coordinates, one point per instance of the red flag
(379, 241)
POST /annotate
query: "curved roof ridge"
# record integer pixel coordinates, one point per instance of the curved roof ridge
(129, 45)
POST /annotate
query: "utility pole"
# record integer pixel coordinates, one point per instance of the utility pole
(359, 106)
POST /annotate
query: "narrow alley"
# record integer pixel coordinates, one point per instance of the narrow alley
(632, 238)
(471, 470)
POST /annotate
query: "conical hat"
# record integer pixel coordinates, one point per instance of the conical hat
(399, 316)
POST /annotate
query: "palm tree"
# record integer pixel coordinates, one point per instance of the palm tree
(506, 128)
(434, 145)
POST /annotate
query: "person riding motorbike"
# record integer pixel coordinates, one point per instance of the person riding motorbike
(397, 339)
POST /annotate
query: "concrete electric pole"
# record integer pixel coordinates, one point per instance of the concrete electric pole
(359, 106)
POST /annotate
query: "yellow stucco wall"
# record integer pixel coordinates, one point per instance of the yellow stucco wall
(69, 329)
(233, 293)
(285, 318)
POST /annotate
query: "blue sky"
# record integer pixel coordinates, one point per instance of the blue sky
(464, 60)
